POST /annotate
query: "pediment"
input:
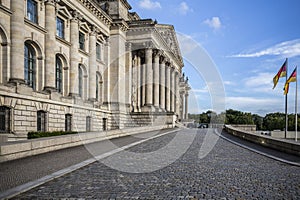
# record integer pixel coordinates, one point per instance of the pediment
(64, 12)
(168, 34)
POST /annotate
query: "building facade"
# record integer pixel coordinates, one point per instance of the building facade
(86, 65)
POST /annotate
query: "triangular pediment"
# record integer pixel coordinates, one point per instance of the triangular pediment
(64, 11)
(168, 34)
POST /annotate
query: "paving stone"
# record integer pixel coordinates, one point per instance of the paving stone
(227, 172)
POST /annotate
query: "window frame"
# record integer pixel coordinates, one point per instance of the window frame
(81, 40)
(88, 123)
(41, 121)
(32, 12)
(80, 81)
(98, 51)
(5, 119)
(29, 66)
(58, 74)
(60, 27)
(68, 122)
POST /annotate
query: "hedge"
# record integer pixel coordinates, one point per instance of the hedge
(33, 134)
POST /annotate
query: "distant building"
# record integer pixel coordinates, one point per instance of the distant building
(86, 65)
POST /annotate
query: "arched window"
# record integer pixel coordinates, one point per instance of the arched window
(29, 65)
(97, 87)
(80, 81)
(58, 74)
(5, 120)
(41, 121)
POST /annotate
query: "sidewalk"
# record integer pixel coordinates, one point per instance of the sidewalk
(21, 171)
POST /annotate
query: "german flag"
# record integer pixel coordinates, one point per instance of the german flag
(292, 78)
(281, 73)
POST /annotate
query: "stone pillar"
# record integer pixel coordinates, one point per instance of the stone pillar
(162, 81)
(92, 64)
(143, 84)
(186, 106)
(106, 75)
(172, 88)
(17, 28)
(168, 77)
(177, 99)
(182, 106)
(128, 75)
(149, 77)
(138, 85)
(50, 24)
(134, 82)
(156, 79)
(74, 57)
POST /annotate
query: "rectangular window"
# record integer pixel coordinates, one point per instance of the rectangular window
(41, 121)
(32, 11)
(98, 51)
(4, 119)
(88, 123)
(68, 122)
(60, 27)
(104, 124)
(81, 41)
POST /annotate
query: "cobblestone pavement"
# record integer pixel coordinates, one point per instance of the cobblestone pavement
(16, 172)
(227, 172)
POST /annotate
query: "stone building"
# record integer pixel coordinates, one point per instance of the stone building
(86, 65)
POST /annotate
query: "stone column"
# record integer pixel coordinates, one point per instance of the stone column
(168, 79)
(172, 88)
(50, 23)
(106, 74)
(186, 105)
(182, 106)
(138, 85)
(74, 57)
(149, 77)
(128, 75)
(17, 28)
(92, 64)
(156, 79)
(177, 99)
(162, 81)
(134, 82)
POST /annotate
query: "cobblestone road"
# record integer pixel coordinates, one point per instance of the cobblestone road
(227, 172)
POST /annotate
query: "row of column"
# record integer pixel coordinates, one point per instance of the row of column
(155, 82)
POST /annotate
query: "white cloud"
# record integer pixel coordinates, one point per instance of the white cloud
(187, 43)
(285, 49)
(149, 5)
(184, 8)
(261, 79)
(254, 105)
(214, 23)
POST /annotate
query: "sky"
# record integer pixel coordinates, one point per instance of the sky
(242, 43)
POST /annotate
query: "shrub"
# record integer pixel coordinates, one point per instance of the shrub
(34, 134)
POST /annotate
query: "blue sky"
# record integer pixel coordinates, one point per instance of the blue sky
(247, 41)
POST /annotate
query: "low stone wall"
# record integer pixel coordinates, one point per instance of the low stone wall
(282, 145)
(289, 135)
(20, 149)
(245, 127)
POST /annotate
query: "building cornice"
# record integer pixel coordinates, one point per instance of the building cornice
(95, 9)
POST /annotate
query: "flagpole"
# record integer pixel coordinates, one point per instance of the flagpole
(286, 99)
(296, 105)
